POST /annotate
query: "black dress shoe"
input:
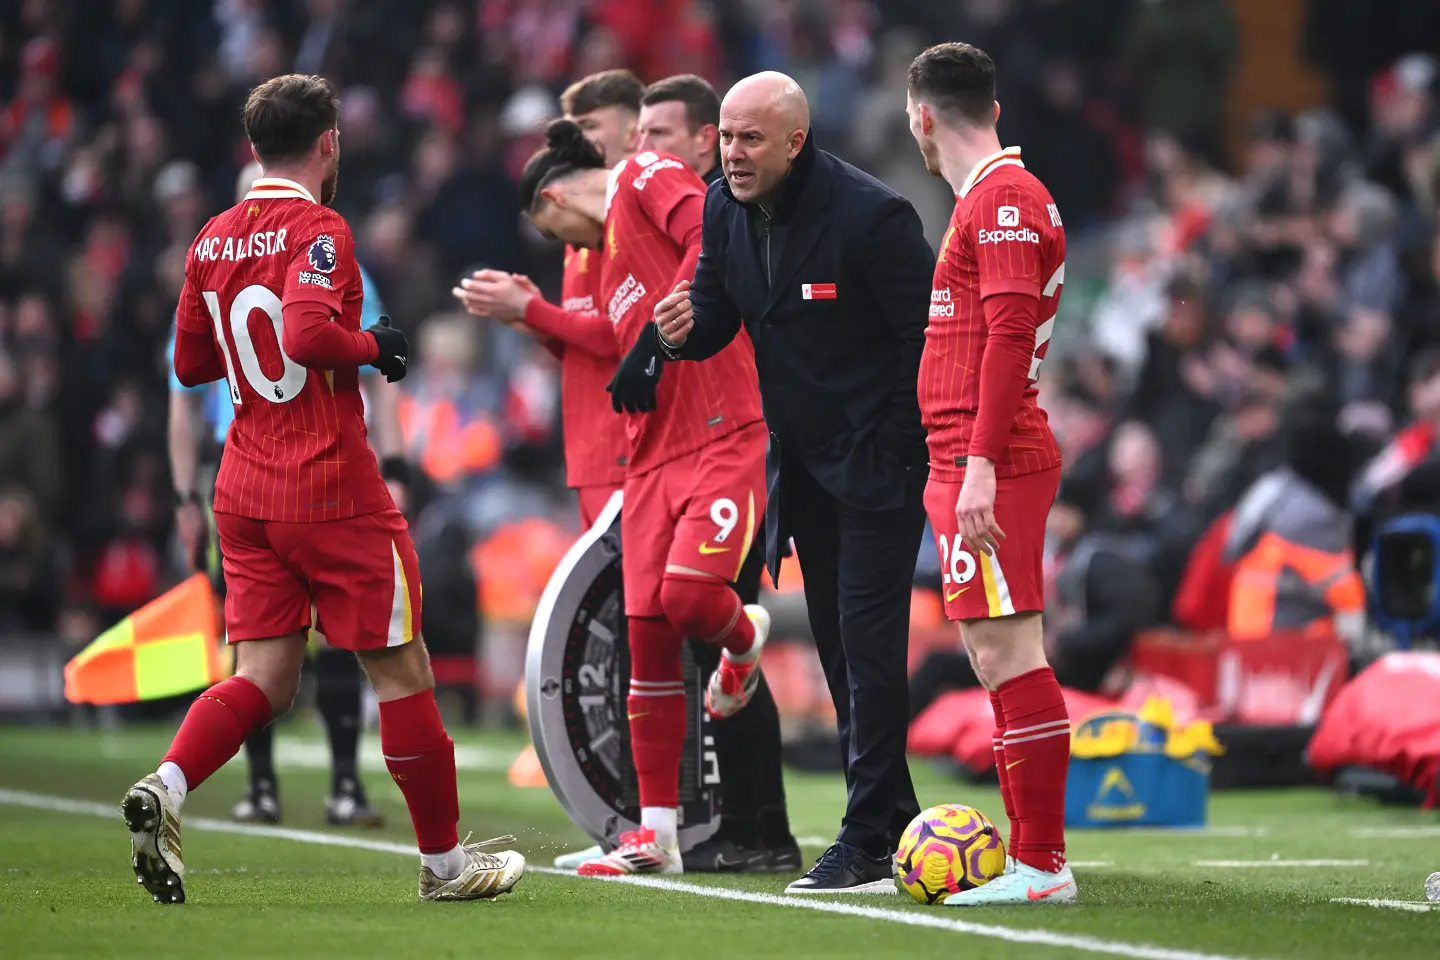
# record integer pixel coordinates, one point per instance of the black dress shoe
(782, 859)
(847, 869)
(719, 855)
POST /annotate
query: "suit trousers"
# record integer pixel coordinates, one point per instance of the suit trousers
(858, 566)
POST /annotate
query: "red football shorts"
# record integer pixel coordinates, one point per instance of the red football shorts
(1011, 581)
(361, 575)
(592, 501)
(698, 511)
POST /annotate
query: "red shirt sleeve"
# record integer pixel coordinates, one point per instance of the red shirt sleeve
(312, 339)
(1010, 320)
(196, 359)
(1007, 226)
(673, 198)
(591, 332)
(1006, 230)
(192, 314)
(321, 264)
(684, 227)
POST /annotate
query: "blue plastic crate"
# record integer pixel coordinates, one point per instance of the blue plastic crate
(1137, 770)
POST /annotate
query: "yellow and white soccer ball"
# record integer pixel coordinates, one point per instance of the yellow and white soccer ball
(947, 849)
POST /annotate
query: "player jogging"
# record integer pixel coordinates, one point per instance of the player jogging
(605, 106)
(339, 682)
(694, 484)
(271, 303)
(994, 465)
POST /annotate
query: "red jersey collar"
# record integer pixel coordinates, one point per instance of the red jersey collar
(274, 188)
(1006, 157)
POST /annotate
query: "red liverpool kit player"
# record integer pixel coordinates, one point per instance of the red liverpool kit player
(271, 304)
(606, 107)
(994, 466)
(694, 487)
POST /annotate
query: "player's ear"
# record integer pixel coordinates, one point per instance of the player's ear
(997, 111)
(554, 194)
(254, 154)
(797, 140)
(709, 138)
(327, 143)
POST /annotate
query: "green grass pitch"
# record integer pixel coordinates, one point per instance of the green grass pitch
(1262, 881)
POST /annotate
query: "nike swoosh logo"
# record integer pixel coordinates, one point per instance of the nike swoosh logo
(1015, 764)
(951, 596)
(636, 716)
(706, 549)
(650, 370)
(1042, 894)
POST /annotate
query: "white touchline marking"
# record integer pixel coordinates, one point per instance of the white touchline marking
(1281, 863)
(315, 755)
(1394, 833)
(1413, 906)
(914, 918)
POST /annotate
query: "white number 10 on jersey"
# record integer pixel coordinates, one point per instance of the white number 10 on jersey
(254, 297)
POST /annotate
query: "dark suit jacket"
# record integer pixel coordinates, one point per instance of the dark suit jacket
(837, 373)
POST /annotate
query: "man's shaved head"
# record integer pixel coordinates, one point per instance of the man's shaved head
(764, 121)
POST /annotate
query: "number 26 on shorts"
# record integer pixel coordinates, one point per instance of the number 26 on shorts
(957, 567)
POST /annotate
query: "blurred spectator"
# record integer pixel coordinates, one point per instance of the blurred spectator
(1182, 53)
(30, 587)
(1194, 302)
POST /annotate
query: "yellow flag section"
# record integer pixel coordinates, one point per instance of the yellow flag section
(167, 647)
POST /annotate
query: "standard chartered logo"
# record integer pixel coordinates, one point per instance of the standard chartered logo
(940, 303)
(625, 297)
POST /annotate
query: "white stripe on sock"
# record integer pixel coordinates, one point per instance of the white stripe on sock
(1036, 728)
(1039, 736)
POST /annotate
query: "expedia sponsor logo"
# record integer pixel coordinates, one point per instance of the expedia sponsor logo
(1023, 235)
(651, 170)
(940, 303)
(578, 305)
(624, 298)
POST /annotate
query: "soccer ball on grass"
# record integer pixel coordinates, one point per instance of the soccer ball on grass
(947, 849)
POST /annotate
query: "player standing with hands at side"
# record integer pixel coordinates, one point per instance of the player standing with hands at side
(271, 303)
(994, 464)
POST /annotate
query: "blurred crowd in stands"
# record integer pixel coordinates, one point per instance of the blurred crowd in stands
(1240, 322)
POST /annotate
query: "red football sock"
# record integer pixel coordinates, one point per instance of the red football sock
(1037, 751)
(1004, 774)
(215, 726)
(707, 609)
(657, 709)
(421, 758)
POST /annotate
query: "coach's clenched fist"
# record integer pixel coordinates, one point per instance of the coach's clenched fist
(674, 315)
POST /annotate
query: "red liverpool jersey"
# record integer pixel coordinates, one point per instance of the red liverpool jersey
(1005, 237)
(643, 248)
(297, 448)
(596, 446)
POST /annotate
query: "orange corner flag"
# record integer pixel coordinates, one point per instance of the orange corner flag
(167, 647)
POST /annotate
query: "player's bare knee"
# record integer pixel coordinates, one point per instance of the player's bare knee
(398, 672)
(1002, 648)
(274, 667)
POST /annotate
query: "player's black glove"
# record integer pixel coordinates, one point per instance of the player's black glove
(394, 350)
(638, 377)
